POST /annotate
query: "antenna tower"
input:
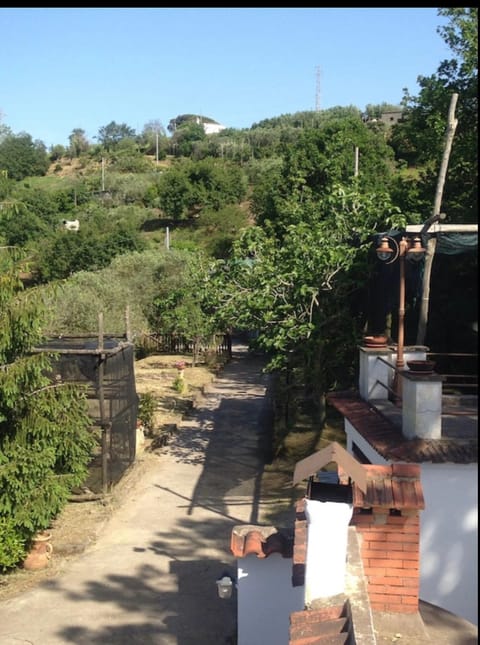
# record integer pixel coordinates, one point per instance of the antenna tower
(317, 92)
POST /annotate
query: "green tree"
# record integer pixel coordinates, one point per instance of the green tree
(21, 157)
(221, 227)
(57, 152)
(130, 279)
(127, 157)
(19, 226)
(188, 186)
(110, 135)
(175, 193)
(300, 287)
(45, 439)
(153, 140)
(79, 143)
(419, 137)
(68, 252)
(186, 119)
(5, 131)
(182, 305)
(6, 185)
(461, 35)
(185, 137)
(40, 202)
(319, 159)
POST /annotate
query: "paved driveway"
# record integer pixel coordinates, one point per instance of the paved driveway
(150, 577)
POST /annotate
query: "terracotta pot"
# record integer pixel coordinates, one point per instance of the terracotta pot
(423, 367)
(40, 552)
(375, 341)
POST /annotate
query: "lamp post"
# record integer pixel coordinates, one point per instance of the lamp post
(389, 252)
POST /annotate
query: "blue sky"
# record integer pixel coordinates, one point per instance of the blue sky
(63, 68)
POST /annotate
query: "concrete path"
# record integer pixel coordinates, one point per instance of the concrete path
(150, 578)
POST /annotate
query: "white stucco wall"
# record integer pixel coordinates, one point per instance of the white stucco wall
(448, 531)
(326, 548)
(449, 538)
(266, 599)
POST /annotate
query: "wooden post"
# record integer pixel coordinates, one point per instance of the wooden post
(105, 430)
(101, 404)
(128, 331)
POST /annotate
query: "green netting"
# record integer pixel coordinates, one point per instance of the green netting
(455, 243)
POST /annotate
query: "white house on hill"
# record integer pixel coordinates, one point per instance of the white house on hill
(213, 128)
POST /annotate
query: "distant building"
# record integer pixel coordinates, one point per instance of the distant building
(213, 128)
(391, 118)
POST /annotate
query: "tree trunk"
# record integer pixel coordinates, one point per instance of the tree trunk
(432, 242)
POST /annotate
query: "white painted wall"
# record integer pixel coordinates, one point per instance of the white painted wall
(327, 526)
(354, 437)
(449, 538)
(266, 599)
(448, 531)
(422, 408)
(374, 374)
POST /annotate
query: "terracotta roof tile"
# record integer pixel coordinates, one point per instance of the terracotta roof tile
(388, 440)
(261, 541)
(395, 486)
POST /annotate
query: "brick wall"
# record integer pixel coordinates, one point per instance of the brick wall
(390, 554)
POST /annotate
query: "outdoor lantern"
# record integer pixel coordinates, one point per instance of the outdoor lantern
(416, 252)
(384, 252)
(224, 587)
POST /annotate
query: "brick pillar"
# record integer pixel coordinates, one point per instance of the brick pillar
(388, 523)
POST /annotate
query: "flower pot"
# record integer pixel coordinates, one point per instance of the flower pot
(40, 552)
(375, 341)
(421, 366)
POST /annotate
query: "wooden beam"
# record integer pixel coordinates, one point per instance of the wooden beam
(334, 452)
(444, 228)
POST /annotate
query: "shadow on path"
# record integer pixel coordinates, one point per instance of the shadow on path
(150, 577)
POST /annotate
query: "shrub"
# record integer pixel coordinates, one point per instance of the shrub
(12, 545)
(146, 410)
(179, 385)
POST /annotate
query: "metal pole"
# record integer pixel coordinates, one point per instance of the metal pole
(400, 363)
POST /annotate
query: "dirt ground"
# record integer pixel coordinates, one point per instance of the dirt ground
(79, 524)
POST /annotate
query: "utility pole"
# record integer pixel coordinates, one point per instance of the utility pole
(103, 174)
(317, 89)
(156, 146)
